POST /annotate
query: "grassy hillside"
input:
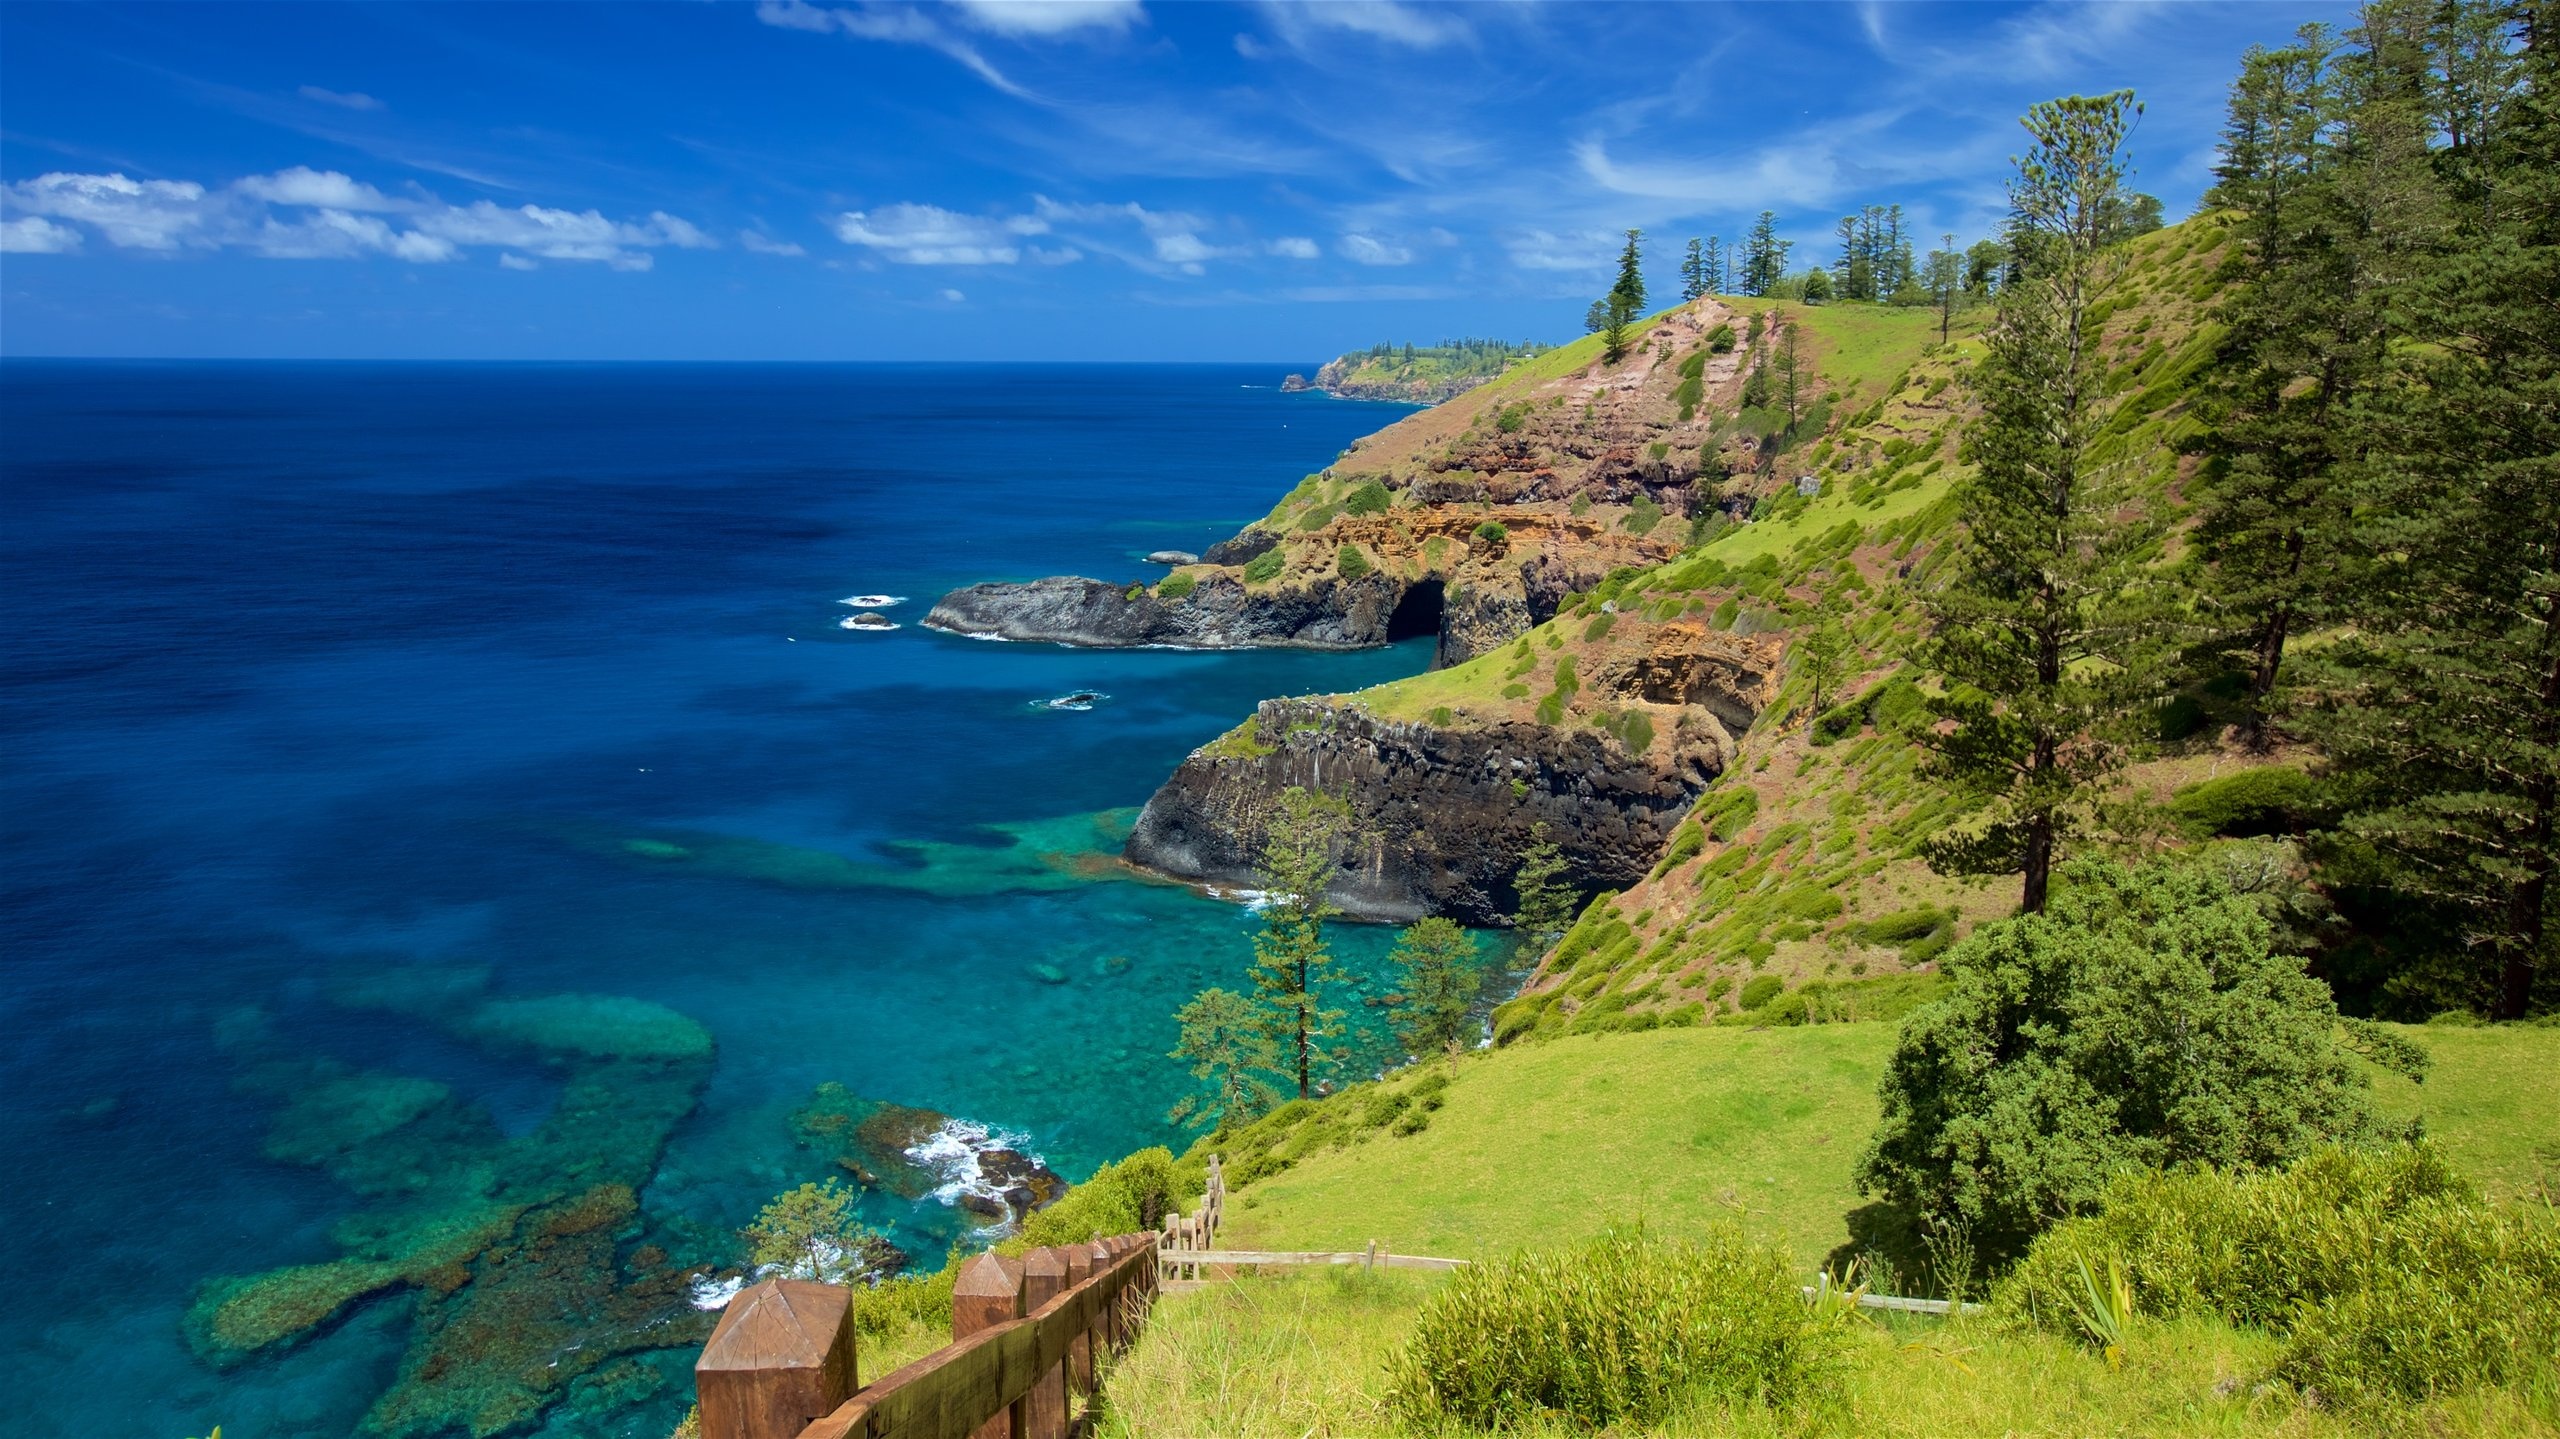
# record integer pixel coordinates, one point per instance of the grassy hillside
(1682, 1127)
(1540, 1145)
(1288, 1356)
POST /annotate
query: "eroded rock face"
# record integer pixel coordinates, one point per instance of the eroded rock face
(1445, 812)
(1332, 613)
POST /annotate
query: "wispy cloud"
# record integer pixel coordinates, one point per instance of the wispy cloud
(307, 214)
(1020, 20)
(755, 243)
(1295, 247)
(1299, 23)
(930, 235)
(343, 99)
(1370, 250)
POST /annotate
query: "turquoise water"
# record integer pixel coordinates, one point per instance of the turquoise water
(501, 682)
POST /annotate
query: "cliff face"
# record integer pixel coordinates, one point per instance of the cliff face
(1342, 379)
(1445, 804)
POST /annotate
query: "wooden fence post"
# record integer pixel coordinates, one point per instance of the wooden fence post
(1079, 1261)
(988, 1293)
(1106, 1319)
(781, 1356)
(1044, 1277)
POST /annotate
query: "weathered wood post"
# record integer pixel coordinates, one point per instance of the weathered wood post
(1079, 1261)
(1164, 1250)
(1106, 1316)
(1044, 1277)
(988, 1293)
(781, 1356)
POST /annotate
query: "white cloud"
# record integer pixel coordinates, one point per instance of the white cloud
(954, 296)
(1049, 17)
(756, 244)
(1369, 250)
(1298, 21)
(931, 235)
(1295, 247)
(1791, 174)
(343, 99)
(1574, 251)
(338, 235)
(1063, 255)
(516, 262)
(36, 235)
(132, 214)
(303, 185)
(306, 214)
(896, 24)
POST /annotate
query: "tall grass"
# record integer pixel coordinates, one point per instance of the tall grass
(2387, 1275)
(1619, 1331)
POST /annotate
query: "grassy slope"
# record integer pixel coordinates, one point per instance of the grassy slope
(1548, 1142)
(1298, 1355)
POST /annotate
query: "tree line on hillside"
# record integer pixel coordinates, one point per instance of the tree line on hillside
(2380, 472)
(1464, 355)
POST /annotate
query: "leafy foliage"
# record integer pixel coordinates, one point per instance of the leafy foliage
(1616, 1334)
(2384, 1270)
(2147, 1019)
(1441, 979)
(1227, 1043)
(1301, 852)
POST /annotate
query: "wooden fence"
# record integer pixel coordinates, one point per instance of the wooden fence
(1030, 1336)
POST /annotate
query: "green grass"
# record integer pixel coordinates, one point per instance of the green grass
(1289, 1355)
(1544, 1143)
(1551, 1142)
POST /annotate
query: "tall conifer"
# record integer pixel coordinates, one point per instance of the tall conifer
(2036, 631)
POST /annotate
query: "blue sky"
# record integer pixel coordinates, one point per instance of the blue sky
(1006, 179)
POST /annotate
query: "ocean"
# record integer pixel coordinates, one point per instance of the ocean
(412, 745)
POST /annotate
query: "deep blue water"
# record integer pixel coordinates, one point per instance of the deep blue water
(314, 672)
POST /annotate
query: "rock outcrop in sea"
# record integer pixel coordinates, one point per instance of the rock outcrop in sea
(1445, 805)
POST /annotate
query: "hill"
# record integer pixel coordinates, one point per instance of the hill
(1414, 374)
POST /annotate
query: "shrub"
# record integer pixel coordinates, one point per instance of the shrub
(1493, 535)
(2144, 1019)
(1351, 562)
(1175, 586)
(1720, 339)
(1733, 814)
(1121, 1198)
(1760, 991)
(1370, 498)
(1809, 903)
(1902, 926)
(1618, 1333)
(1686, 841)
(1598, 629)
(2383, 1269)
(2275, 799)
(1642, 515)
(1262, 567)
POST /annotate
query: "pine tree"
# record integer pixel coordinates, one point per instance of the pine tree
(1946, 277)
(1226, 1043)
(1625, 299)
(2446, 721)
(1301, 851)
(1693, 272)
(1763, 259)
(1546, 895)
(2037, 630)
(1791, 370)
(2303, 335)
(1439, 984)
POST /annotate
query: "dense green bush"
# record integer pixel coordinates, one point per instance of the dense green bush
(2144, 1019)
(1810, 903)
(1494, 535)
(1122, 1198)
(1351, 562)
(1264, 566)
(1617, 1333)
(1371, 498)
(1760, 991)
(1720, 339)
(2386, 1273)
(1731, 814)
(2275, 799)
(1174, 586)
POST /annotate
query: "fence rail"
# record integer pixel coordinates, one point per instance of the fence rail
(1030, 1336)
